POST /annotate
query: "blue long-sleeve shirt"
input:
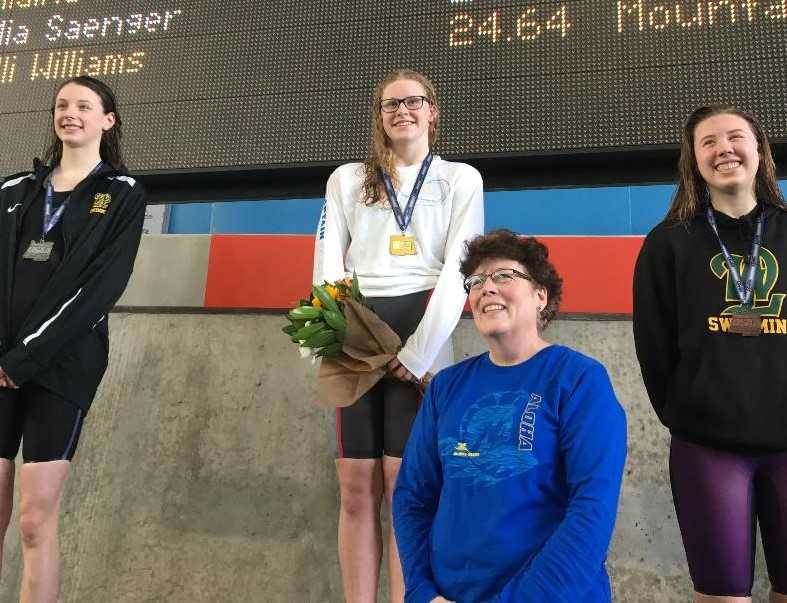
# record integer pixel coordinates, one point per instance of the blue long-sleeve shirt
(509, 485)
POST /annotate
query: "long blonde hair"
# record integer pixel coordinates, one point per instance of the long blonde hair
(692, 192)
(381, 156)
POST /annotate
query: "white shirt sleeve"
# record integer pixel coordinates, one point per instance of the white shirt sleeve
(333, 235)
(448, 298)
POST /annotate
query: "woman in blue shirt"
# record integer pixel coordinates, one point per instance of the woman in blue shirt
(509, 485)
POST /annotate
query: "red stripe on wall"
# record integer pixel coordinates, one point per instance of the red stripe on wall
(258, 271)
(597, 272)
(274, 271)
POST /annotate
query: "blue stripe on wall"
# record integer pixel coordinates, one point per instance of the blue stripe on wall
(190, 218)
(602, 211)
(293, 216)
(649, 205)
(567, 211)
(608, 211)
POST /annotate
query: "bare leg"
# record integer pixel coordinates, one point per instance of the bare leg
(40, 491)
(395, 579)
(360, 541)
(700, 598)
(6, 501)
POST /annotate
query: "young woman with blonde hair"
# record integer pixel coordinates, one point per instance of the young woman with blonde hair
(398, 220)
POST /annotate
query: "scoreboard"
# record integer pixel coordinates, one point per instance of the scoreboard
(214, 86)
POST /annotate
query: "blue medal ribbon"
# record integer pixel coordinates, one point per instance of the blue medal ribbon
(403, 218)
(51, 219)
(745, 287)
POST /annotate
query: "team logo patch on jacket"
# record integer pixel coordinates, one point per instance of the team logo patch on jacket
(101, 203)
(768, 304)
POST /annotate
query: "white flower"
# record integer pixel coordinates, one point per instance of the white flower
(308, 353)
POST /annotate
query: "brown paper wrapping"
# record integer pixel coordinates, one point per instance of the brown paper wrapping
(369, 346)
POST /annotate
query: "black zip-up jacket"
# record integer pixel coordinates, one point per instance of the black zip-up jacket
(707, 385)
(63, 344)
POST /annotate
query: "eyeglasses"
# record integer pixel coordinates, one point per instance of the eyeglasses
(412, 103)
(501, 276)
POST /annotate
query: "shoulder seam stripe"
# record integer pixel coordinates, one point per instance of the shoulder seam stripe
(127, 179)
(15, 181)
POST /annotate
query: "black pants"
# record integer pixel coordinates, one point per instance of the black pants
(379, 422)
(46, 424)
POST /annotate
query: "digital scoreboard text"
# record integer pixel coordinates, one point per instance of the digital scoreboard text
(222, 85)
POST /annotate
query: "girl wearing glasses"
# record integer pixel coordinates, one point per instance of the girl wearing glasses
(509, 486)
(710, 328)
(69, 233)
(398, 220)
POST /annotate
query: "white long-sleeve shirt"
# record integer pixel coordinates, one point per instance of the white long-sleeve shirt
(352, 236)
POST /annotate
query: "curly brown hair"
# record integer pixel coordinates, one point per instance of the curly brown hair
(529, 252)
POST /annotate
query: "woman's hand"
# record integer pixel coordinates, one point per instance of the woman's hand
(441, 600)
(398, 370)
(6, 381)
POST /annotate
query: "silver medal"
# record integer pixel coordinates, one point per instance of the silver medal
(39, 251)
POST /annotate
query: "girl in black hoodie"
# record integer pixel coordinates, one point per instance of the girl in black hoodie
(710, 328)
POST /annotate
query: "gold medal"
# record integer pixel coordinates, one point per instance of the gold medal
(748, 324)
(402, 245)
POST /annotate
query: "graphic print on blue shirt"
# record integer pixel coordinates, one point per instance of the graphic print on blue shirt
(495, 439)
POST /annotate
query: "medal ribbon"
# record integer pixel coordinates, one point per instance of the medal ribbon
(51, 219)
(403, 218)
(744, 288)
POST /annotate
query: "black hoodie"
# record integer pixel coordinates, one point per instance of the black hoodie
(63, 343)
(706, 384)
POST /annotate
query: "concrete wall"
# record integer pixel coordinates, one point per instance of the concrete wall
(170, 271)
(205, 472)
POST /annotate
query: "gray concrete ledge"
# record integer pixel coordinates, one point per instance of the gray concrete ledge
(205, 471)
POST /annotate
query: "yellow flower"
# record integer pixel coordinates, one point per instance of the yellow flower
(332, 290)
(316, 302)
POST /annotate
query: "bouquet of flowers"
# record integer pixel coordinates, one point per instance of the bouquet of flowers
(318, 324)
(355, 345)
